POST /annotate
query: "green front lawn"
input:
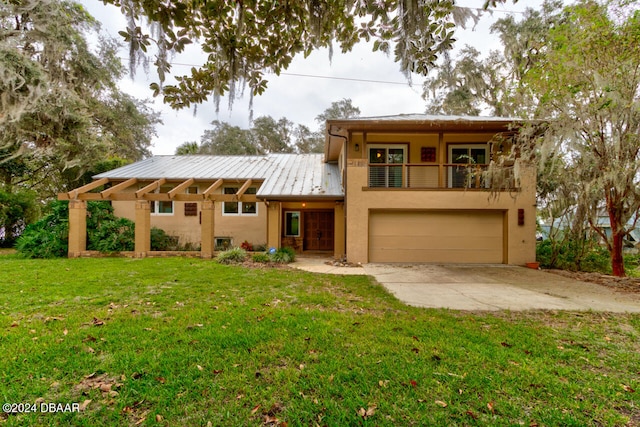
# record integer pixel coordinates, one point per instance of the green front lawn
(173, 342)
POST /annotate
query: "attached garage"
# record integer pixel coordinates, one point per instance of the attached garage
(442, 236)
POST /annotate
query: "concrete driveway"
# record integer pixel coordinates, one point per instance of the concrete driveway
(495, 287)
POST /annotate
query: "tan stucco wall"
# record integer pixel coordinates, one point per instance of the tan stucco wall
(187, 228)
(360, 200)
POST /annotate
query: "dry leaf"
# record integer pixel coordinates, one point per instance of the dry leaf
(472, 415)
(490, 406)
(65, 332)
(158, 418)
(97, 322)
(369, 412)
(627, 388)
(414, 383)
(89, 350)
(441, 403)
(217, 371)
(200, 368)
(607, 338)
(255, 409)
(89, 338)
(161, 380)
(268, 419)
(85, 404)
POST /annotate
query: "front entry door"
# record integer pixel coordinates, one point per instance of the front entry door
(318, 231)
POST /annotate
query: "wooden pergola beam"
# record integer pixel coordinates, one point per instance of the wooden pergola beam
(73, 194)
(181, 187)
(119, 187)
(213, 187)
(244, 187)
(149, 188)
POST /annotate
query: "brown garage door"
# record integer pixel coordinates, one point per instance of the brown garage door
(436, 236)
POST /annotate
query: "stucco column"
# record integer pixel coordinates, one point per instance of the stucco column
(273, 225)
(207, 229)
(339, 231)
(143, 228)
(77, 228)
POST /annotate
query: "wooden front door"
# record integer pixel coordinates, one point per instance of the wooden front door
(318, 230)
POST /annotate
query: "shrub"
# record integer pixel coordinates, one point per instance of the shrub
(17, 210)
(284, 255)
(112, 235)
(574, 256)
(161, 241)
(260, 247)
(48, 237)
(232, 256)
(246, 246)
(261, 258)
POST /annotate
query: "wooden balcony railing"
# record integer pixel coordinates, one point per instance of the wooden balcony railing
(440, 176)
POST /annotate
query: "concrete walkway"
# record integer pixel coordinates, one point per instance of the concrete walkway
(484, 287)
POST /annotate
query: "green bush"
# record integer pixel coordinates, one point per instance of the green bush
(284, 255)
(48, 237)
(17, 210)
(161, 241)
(570, 255)
(261, 257)
(112, 235)
(232, 256)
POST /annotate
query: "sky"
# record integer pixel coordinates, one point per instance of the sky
(372, 80)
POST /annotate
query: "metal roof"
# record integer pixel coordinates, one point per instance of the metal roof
(428, 118)
(284, 175)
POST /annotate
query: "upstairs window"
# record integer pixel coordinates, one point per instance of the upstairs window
(385, 165)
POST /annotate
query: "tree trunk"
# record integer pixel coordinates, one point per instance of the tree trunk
(617, 262)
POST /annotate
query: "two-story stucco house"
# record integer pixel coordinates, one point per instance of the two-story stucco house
(406, 188)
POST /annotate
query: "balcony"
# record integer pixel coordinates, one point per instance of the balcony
(439, 176)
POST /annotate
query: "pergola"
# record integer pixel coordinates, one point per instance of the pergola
(116, 189)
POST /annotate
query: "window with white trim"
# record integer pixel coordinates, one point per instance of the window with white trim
(239, 208)
(162, 207)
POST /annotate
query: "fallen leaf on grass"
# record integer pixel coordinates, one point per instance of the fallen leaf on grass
(369, 412)
(472, 415)
(158, 418)
(97, 322)
(441, 403)
(414, 383)
(65, 332)
(85, 404)
(384, 383)
(217, 371)
(255, 409)
(271, 420)
(200, 368)
(506, 344)
(89, 338)
(415, 350)
(490, 406)
(161, 380)
(89, 350)
(627, 388)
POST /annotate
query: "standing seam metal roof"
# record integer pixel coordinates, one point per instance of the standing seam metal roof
(284, 175)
